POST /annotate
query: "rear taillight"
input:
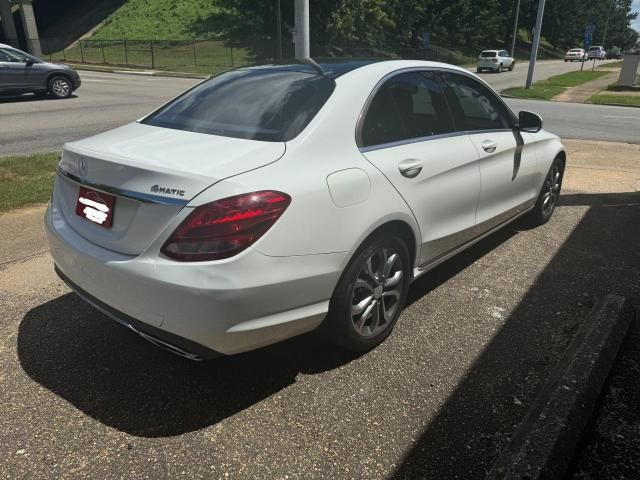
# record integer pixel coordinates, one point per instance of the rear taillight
(226, 227)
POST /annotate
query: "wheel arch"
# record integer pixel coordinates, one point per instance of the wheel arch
(57, 73)
(403, 228)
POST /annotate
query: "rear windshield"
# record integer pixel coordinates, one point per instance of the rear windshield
(575, 50)
(488, 54)
(594, 48)
(263, 104)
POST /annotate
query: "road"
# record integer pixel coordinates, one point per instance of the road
(108, 100)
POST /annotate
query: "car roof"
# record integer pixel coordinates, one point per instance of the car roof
(2, 45)
(331, 70)
(335, 70)
(492, 50)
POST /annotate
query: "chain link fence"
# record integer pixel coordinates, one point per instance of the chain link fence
(213, 55)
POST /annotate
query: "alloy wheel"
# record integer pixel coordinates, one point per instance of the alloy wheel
(60, 87)
(377, 292)
(551, 190)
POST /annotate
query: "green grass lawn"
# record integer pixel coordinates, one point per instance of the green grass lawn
(549, 88)
(631, 100)
(26, 180)
(159, 19)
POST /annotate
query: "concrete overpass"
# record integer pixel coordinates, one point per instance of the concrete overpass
(28, 24)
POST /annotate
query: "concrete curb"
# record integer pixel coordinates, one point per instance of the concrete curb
(547, 438)
(149, 73)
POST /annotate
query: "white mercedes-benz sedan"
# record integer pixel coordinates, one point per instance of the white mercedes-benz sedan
(270, 201)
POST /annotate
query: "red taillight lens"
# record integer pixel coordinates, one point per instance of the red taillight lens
(226, 227)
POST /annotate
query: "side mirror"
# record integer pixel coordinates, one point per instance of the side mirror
(28, 62)
(529, 122)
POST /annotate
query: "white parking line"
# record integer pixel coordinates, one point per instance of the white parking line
(615, 116)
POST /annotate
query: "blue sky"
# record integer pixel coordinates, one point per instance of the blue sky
(636, 8)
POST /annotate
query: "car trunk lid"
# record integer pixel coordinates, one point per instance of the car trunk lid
(153, 173)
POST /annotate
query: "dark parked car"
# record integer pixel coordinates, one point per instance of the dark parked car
(23, 73)
(614, 54)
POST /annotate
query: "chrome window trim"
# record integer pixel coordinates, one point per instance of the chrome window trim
(118, 192)
(365, 109)
(440, 136)
(409, 141)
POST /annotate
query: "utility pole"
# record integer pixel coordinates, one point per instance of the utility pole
(606, 25)
(278, 33)
(515, 31)
(302, 30)
(535, 44)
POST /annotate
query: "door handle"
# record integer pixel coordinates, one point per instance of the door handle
(410, 168)
(489, 146)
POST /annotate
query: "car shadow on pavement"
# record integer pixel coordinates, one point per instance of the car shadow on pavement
(31, 98)
(600, 256)
(116, 377)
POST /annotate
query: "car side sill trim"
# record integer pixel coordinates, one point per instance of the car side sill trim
(421, 270)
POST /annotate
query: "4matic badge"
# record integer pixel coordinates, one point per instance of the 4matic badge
(168, 191)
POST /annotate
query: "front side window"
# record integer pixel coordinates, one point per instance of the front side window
(407, 106)
(271, 105)
(474, 106)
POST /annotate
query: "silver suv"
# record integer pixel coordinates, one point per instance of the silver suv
(23, 73)
(596, 52)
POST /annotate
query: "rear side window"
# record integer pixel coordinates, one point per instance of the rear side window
(263, 104)
(474, 106)
(407, 106)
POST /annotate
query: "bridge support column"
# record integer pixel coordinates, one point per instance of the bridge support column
(30, 27)
(8, 27)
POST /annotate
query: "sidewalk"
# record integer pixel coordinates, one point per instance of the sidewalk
(584, 92)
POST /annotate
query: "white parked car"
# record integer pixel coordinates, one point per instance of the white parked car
(495, 60)
(575, 54)
(596, 52)
(270, 201)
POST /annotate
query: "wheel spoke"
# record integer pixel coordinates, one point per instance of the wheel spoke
(363, 318)
(369, 268)
(393, 281)
(360, 307)
(389, 264)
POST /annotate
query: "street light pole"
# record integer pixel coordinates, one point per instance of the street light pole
(535, 44)
(515, 31)
(278, 33)
(302, 30)
(606, 25)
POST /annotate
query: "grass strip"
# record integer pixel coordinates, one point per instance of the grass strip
(26, 180)
(549, 88)
(631, 100)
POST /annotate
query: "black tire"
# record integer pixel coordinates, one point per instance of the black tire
(478, 70)
(511, 67)
(340, 327)
(499, 69)
(543, 211)
(60, 86)
(567, 60)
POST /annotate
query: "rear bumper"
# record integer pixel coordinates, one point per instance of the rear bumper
(204, 308)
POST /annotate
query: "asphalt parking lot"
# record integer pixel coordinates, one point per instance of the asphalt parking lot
(84, 398)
